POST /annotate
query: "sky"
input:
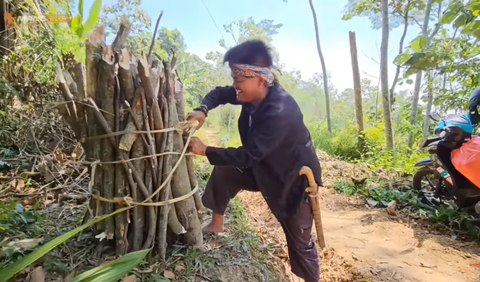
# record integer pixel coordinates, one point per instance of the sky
(201, 23)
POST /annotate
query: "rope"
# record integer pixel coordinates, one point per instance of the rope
(188, 126)
(128, 201)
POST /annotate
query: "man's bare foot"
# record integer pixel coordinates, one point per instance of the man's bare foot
(212, 228)
(216, 225)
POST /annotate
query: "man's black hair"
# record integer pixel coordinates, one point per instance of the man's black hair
(252, 52)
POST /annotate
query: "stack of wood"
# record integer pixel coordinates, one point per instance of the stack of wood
(113, 95)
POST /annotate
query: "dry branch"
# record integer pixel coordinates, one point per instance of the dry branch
(154, 35)
(80, 78)
(105, 96)
(125, 76)
(136, 118)
(138, 212)
(93, 149)
(122, 35)
(165, 192)
(186, 211)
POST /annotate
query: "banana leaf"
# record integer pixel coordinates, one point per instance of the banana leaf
(113, 271)
(9, 271)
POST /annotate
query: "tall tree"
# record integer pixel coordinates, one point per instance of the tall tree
(171, 40)
(426, 124)
(356, 86)
(324, 68)
(384, 77)
(418, 77)
(406, 12)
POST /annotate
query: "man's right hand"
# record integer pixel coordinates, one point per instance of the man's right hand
(198, 116)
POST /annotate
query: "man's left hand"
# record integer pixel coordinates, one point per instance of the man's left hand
(197, 146)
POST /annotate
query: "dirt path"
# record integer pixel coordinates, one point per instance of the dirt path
(368, 244)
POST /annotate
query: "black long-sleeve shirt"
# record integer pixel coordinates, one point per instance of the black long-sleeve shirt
(275, 145)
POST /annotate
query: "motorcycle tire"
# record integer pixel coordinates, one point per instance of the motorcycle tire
(420, 174)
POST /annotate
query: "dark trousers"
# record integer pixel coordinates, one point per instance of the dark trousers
(225, 182)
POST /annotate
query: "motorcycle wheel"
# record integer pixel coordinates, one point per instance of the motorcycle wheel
(422, 173)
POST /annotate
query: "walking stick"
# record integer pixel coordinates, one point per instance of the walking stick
(312, 191)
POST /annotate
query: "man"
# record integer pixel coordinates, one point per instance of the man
(276, 144)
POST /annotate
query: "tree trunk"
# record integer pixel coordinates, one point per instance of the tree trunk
(384, 77)
(324, 68)
(127, 162)
(428, 110)
(426, 124)
(357, 88)
(418, 78)
(400, 51)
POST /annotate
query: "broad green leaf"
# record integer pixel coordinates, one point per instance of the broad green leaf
(92, 17)
(11, 270)
(76, 22)
(414, 58)
(402, 58)
(448, 17)
(114, 270)
(460, 21)
(419, 43)
(410, 81)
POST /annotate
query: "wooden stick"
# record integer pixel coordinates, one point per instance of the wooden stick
(122, 35)
(132, 175)
(154, 36)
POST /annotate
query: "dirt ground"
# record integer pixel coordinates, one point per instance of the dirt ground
(365, 244)
(368, 245)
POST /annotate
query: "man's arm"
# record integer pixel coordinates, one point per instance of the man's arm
(220, 96)
(268, 137)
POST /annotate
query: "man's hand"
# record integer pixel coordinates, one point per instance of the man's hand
(198, 116)
(197, 146)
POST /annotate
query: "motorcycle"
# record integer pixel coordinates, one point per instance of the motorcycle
(450, 185)
(428, 167)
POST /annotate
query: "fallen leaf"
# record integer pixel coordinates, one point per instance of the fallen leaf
(17, 184)
(179, 267)
(29, 201)
(131, 278)
(372, 202)
(38, 275)
(25, 244)
(170, 275)
(391, 207)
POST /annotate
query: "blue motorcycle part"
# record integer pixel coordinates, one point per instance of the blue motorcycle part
(423, 162)
(462, 121)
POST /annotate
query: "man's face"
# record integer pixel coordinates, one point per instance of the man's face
(248, 88)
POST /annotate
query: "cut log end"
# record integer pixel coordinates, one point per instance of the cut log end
(96, 36)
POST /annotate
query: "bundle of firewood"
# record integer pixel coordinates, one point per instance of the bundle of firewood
(124, 111)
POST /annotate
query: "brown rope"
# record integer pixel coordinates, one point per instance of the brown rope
(190, 127)
(128, 201)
